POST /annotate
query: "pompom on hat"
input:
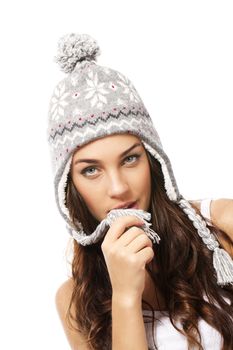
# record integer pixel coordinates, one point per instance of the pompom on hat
(91, 102)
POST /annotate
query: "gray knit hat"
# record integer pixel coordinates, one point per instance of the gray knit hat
(93, 101)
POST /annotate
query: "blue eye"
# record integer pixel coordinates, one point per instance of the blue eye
(134, 156)
(91, 170)
(87, 172)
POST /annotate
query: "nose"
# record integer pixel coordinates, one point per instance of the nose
(117, 185)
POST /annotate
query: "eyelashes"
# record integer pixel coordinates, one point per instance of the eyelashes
(86, 171)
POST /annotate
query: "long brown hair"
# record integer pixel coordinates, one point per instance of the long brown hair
(185, 273)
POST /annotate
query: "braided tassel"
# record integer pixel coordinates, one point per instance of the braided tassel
(101, 229)
(222, 262)
(223, 265)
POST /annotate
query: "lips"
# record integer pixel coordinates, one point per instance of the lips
(126, 205)
(132, 205)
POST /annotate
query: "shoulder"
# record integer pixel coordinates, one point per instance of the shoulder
(221, 213)
(64, 292)
(62, 300)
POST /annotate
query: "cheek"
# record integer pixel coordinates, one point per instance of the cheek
(92, 201)
(144, 186)
(90, 194)
(144, 177)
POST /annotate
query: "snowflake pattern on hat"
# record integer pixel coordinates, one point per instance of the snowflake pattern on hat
(95, 91)
(58, 102)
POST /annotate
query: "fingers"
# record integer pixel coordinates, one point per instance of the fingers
(138, 243)
(146, 255)
(119, 226)
(127, 237)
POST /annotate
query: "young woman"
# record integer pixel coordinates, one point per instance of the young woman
(167, 287)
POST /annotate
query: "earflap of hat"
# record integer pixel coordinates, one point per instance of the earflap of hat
(61, 197)
(61, 188)
(169, 179)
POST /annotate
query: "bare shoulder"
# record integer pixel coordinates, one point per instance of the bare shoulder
(221, 210)
(64, 292)
(222, 213)
(62, 300)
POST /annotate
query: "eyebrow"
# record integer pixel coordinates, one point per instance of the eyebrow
(99, 161)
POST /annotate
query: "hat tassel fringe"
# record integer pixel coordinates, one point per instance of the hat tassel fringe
(223, 265)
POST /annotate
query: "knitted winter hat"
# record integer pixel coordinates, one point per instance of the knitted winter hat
(93, 101)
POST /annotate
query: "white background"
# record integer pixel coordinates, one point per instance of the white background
(179, 56)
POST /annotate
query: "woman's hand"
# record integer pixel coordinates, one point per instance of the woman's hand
(126, 254)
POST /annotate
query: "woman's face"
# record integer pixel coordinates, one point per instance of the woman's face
(111, 171)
